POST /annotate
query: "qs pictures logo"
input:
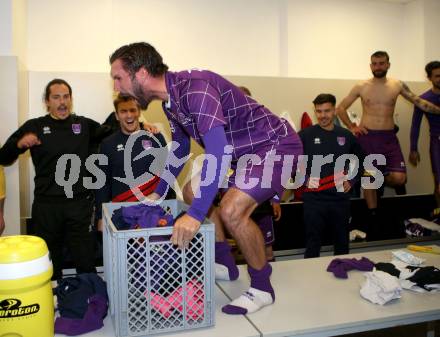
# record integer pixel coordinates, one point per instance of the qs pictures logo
(11, 308)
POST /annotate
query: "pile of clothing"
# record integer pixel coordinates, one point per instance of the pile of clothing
(411, 273)
(141, 216)
(417, 227)
(167, 305)
(82, 303)
(385, 281)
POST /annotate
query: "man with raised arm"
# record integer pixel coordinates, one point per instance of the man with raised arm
(60, 219)
(376, 129)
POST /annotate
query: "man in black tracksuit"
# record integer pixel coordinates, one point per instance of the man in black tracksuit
(324, 205)
(127, 113)
(59, 219)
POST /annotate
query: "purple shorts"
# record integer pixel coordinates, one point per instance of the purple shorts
(384, 142)
(262, 179)
(434, 149)
(265, 223)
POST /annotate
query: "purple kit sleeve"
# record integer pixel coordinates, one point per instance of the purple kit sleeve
(179, 136)
(215, 142)
(415, 128)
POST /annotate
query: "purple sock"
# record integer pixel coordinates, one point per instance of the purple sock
(224, 257)
(260, 279)
(258, 296)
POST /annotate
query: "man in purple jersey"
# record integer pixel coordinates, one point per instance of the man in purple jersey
(226, 123)
(433, 95)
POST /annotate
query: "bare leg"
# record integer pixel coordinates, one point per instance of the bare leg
(235, 210)
(370, 198)
(395, 179)
(392, 179)
(269, 253)
(373, 228)
(213, 213)
(225, 266)
(234, 214)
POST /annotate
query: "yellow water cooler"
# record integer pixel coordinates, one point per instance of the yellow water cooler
(26, 300)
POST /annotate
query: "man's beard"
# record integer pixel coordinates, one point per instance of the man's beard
(380, 74)
(140, 96)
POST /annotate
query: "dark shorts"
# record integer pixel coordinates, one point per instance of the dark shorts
(268, 174)
(384, 142)
(263, 218)
(434, 149)
(265, 224)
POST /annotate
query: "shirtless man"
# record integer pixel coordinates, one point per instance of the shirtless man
(376, 129)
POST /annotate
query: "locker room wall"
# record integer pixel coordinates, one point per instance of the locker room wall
(254, 38)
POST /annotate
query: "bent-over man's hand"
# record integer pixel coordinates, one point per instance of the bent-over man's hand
(28, 140)
(185, 228)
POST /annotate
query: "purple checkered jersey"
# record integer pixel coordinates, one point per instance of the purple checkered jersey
(201, 100)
